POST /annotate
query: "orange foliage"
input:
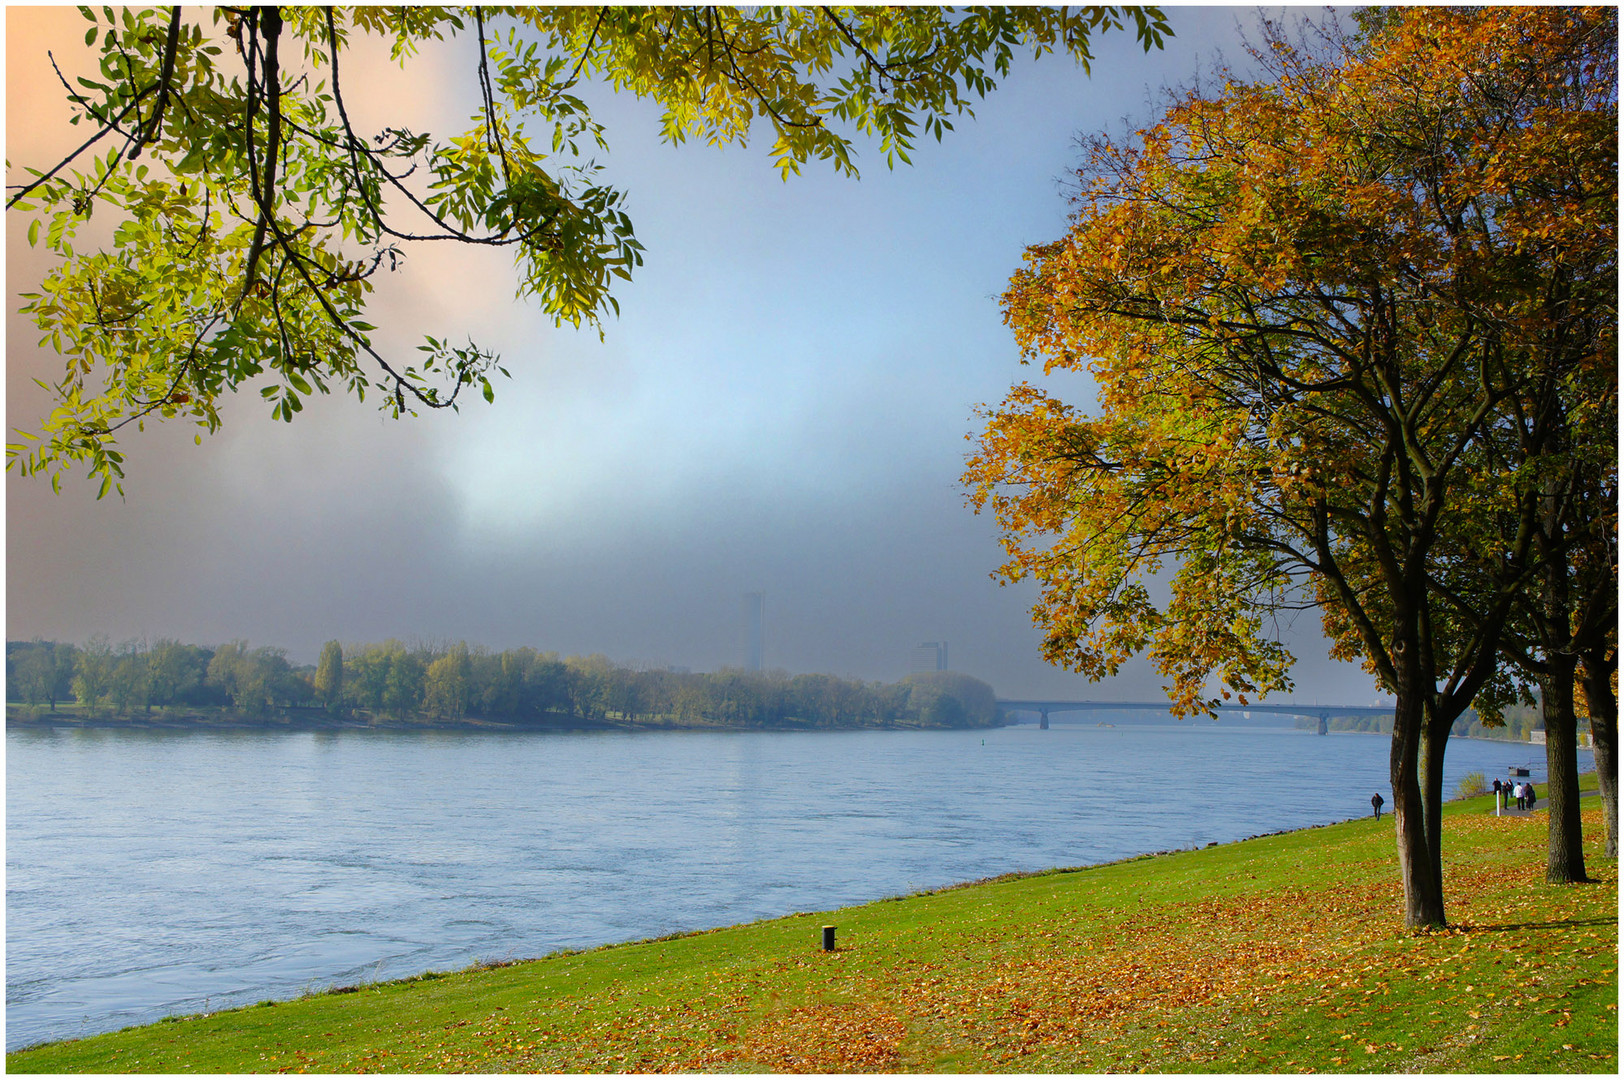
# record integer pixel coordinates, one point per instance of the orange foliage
(1164, 986)
(1289, 296)
(1350, 329)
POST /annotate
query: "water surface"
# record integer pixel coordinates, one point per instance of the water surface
(150, 873)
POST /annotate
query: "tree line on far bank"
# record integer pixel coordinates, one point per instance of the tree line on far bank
(396, 682)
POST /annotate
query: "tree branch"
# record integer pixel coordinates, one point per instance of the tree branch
(149, 131)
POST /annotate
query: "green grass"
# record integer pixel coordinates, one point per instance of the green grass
(1278, 954)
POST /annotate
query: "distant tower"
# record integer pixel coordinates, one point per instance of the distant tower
(931, 656)
(753, 602)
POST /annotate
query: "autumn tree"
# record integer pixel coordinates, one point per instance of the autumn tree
(499, 680)
(93, 674)
(544, 679)
(1565, 618)
(255, 679)
(1575, 620)
(1546, 462)
(403, 683)
(42, 672)
(253, 219)
(589, 681)
(448, 688)
(174, 670)
(65, 657)
(1574, 617)
(1309, 305)
(231, 671)
(1600, 682)
(1552, 447)
(951, 699)
(823, 696)
(130, 685)
(329, 680)
(365, 671)
(30, 672)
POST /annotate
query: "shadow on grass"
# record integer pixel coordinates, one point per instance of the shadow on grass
(1558, 924)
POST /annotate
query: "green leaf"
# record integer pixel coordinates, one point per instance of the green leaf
(799, 70)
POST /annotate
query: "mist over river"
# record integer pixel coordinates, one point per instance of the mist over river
(150, 872)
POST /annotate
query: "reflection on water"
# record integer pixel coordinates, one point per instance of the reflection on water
(150, 873)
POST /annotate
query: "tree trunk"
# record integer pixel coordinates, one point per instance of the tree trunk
(1603, 708)
(1423, 885)
(1434, 737)
(1565, 859)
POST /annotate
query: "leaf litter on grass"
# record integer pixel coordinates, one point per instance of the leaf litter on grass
(1197, 982)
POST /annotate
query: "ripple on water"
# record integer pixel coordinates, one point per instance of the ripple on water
(297, 862)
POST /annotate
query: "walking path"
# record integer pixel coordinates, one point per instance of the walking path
(1539, 804)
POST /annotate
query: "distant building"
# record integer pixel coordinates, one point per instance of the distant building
(753, 650)
(930, 656)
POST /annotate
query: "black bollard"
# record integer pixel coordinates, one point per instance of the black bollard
(828, 939)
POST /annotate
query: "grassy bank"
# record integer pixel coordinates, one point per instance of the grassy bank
(1276, 954)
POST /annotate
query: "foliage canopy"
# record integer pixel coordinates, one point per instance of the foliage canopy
(1339, 323)
(253, 219)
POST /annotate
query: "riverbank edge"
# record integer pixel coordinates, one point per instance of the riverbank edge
(483, 965)
(317, 721)
(321, 722)
(18, 1059)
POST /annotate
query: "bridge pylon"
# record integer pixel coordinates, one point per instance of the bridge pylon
(1043, 724)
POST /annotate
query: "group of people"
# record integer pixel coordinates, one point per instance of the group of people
(1524, 793)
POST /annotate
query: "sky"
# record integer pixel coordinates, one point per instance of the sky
(782, 407)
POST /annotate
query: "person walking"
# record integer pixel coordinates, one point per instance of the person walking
(1376, 801)
(1531, 795)
(1522, 797)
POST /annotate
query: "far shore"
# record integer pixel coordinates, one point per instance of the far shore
(315, 719)
(320, 720)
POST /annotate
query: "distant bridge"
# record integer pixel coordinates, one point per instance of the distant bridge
(1321, 712)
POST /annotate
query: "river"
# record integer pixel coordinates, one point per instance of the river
(150, 873)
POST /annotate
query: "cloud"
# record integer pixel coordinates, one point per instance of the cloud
(781, 407)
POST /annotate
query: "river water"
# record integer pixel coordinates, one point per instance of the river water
(150, 873)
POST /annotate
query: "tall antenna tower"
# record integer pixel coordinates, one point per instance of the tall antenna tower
(929, 656)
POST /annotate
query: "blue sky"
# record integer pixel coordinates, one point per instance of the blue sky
(782, 407)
